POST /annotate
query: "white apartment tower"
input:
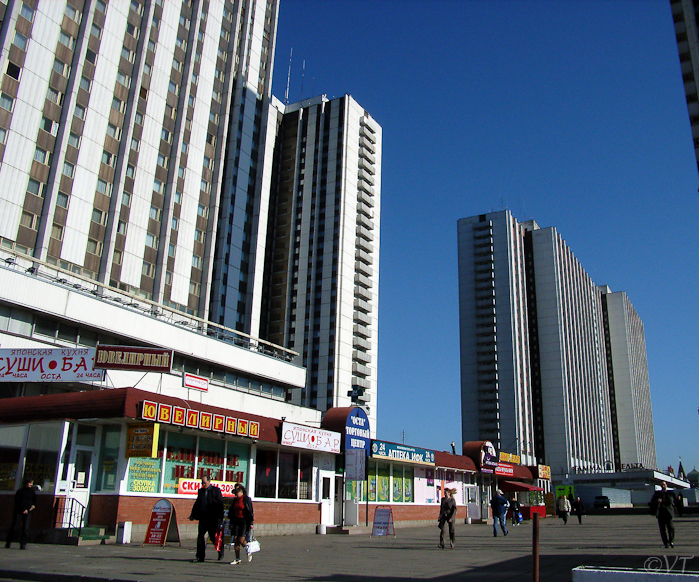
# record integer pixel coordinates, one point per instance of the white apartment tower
(542, 348)
(321, 283)
(119, 124)
(632, 416)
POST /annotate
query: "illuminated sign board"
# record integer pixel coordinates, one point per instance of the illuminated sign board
(308, 437)
(130, 358)
(48, 365)
(394, 452)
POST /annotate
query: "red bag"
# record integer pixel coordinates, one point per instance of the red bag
(218, 540)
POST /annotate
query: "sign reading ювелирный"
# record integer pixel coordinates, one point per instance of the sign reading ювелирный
(49, 365)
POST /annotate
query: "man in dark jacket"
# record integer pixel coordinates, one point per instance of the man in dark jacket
(208, 509)
(25, 502)
(499, 505)
(663, 506)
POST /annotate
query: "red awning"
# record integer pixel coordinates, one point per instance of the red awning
(511, 486)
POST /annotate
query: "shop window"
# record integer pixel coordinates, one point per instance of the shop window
(11, 438)
(408, 485)
(109, 459)
(237, 463)
(306, 477)
(397, 491)
(43, 451)
(266, 473)
(288, 476)
(179, 461)
(86, 435)
(210, 459)
(143, 475)
(383, 480)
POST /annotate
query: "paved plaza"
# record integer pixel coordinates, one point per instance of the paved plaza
(603, 540)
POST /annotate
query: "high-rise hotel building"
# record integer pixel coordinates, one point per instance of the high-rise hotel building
(140, 148)
(541, 350)
(684, 16)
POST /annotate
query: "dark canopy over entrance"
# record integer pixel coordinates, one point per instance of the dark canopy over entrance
(510, 486)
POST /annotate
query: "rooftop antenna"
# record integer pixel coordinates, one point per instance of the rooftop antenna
(288, 78)
(303, 74)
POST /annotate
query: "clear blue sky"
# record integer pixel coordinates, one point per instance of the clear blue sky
(568, 112)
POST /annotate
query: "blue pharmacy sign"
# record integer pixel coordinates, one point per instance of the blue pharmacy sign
(395, 452)
(357, 433)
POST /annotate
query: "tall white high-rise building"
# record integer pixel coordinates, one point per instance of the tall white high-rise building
(541, 349)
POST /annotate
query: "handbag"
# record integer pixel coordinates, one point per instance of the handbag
(218, 539)
(520, 519)
(252, 546)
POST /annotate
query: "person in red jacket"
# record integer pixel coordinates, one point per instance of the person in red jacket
(242, 517)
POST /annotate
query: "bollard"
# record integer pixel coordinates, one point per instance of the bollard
(535, 548)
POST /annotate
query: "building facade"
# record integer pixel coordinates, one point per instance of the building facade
(540, 351)
(684, 15)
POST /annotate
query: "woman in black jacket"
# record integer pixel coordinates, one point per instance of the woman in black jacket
(242, 517)
(447, 514)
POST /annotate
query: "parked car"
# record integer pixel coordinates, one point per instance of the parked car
(602, 501)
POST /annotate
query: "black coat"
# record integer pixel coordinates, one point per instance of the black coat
(25, 499)
(209, 504)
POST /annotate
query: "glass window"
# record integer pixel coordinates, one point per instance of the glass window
(179, 461)
(306, 477)
(383, 483)
(6, 102)
(210, 459)
(62, 200)
(43, 448)
(27, 12)
(266, 473)
(288, 475)
(11, 438)
(143, 474)
(20, 41)
(109, 459)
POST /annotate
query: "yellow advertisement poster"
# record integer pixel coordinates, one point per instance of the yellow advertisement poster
(142, 440)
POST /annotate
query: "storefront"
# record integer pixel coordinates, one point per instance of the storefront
(116, 452)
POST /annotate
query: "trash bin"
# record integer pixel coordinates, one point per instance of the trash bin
(123, 532)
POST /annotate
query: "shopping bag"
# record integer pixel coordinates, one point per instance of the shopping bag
(520, 519)
(253, 546)
(218, 539)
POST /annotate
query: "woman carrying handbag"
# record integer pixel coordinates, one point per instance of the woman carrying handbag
(242, 517)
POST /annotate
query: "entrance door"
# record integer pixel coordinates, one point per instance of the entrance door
(327, 504)
(473, 505)
(339, 499)
(79, 483)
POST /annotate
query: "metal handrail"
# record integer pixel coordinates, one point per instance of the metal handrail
(73, 510)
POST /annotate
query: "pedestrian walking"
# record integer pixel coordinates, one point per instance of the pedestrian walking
(564, 509)
(662, 505)
(25, 502)
(242, 517)
(516, 515)
(680, 504)
(499, 505)
(579, 509)
(447, 517)
(208, 509)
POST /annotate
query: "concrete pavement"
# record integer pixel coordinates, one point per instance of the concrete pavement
(603, 540)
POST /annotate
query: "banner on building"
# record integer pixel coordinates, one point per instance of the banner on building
(135, 359)
(309, 437)
(195, 382)
(395, 452)
(191, 487)
(510, 458)
(49, 365)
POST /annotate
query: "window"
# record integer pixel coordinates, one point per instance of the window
(101, 5)
(94, 247)
(42, 156)
(55, 97)
(205, 186)
(79, 111)
(151, 45)
(13, 70)
(74, 140)
(62, 200)
(104, 187)
(57, 232)
(134, 144)
(162, 161)
(211, 139)
(192, 100)
(217, 95)
(72, 13)
(151, 240)
(96, 31)
(184, 147)
(121, 227)
(60, 67)
(180, 172)
(174, 88)
(90, 56)
(165, 135)
(117, 257)
(68, 170)
(127, 54)
(20, 41)
(136, 7)
(158, 186)
(132, 30)
(199, 235)
(118, 104)
(6, 102)
(130, 171)
(148, 269)
(126, 199)
(113, 131)
(207, 162)
(3, 135)
(203, 211)
(155, 213)
(178, 197)
(29, 220)
(49, 125)
(266, 473)
(194, 288)
(147, 68)
(170, 111)
(175, 223)
(171, 250)
(35, 187)
(27, 12)
(197, 261)
(108, 158)
(184, 21)
(181, 43)
(123, 79)
(85, 83)
(98, 216)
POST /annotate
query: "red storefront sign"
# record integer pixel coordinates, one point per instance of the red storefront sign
(504, 470)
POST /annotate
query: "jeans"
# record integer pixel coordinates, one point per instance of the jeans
(502, 520)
